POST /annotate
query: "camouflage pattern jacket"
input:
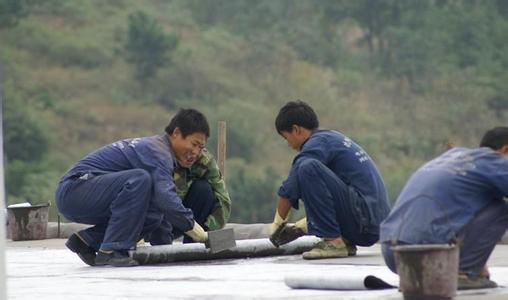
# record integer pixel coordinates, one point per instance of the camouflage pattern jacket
(207, 168)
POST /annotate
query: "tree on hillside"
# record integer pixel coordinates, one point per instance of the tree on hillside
(299, 24)
(13, 10)
(148, 48)
(26, 145)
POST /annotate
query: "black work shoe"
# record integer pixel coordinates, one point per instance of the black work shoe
(115, 258)
(466, 282)
(78, 246)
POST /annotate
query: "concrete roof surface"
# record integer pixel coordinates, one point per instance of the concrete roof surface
(47, 270)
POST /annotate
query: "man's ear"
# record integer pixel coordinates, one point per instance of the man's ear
(176, 132)
(503, 150)
(295, 129)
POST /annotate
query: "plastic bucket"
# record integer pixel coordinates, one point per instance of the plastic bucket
(427, 271)
(28, 223)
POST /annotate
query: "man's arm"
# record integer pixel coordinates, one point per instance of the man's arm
(283, 207)
(222, 210)
(281, 215)
(164, 196)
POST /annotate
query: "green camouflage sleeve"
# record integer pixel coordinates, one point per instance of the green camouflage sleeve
(220, 214)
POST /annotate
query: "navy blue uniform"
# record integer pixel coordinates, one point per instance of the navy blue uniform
(341, 188)
(113, 188)
(450, 198)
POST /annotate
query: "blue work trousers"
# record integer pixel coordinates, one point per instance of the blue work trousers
(477, 240)
(334, 209)
(200, 199)
(115, 203)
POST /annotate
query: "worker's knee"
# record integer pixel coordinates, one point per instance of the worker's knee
(309, 167)
(139, 179)
(388, 257)
(204, 192)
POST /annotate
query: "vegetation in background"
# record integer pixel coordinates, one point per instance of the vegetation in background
(402, 78)
(147, 45)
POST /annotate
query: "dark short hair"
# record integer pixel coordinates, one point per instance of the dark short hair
(189, 121)
(495, 138)
(296, 113)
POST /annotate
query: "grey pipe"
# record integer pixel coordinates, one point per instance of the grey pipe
(243, 249)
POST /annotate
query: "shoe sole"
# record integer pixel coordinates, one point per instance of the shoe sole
(323, 257)
(90, 262)
(131, 263)
(121, 265)
(115, 262)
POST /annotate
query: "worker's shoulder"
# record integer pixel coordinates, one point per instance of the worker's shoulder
(204, 164)
(206, 158)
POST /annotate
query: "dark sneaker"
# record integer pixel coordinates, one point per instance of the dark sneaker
(115, 258)
(325, 249)
(467, 282)
(351, 248)
(77, 245)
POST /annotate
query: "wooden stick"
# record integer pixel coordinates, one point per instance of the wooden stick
(221, 148)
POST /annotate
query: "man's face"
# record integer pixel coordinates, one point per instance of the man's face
(188, 149)
(293, 138)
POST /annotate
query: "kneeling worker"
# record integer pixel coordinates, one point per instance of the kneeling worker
(155, 188)
(343, 193)
(456, 198)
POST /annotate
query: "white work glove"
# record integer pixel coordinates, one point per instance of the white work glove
(302, 224)
(278, 221)
(289, 232)
(197, 233)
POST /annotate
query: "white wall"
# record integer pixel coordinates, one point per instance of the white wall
(3, 277)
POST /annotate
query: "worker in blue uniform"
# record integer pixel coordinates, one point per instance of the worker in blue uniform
(342, 190)
(126, 190)
(456, 198)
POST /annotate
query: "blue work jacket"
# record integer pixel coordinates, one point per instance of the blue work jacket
(152, 154)
(351, 164)
(445, 194)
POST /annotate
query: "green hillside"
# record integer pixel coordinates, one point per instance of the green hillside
(402, 78)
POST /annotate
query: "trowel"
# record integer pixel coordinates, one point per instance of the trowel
(220, 240)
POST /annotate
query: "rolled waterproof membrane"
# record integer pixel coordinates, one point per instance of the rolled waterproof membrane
(336, 282)
(197, 251)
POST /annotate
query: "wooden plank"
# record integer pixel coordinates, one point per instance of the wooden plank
(3, 277)
(221, 148)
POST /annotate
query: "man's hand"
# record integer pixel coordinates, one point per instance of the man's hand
(288, 233)
(278, 221)
(197, 233)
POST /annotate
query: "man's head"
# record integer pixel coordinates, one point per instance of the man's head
(188, 132)
(496, 139)
(295, 122)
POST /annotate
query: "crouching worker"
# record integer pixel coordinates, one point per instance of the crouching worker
(127, 190)
(343, 193)
(456, 198)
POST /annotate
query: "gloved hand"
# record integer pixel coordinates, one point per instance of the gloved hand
(197, 233)
(288, 233)
(278, 222)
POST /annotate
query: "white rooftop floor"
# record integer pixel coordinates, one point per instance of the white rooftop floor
(46, 270)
